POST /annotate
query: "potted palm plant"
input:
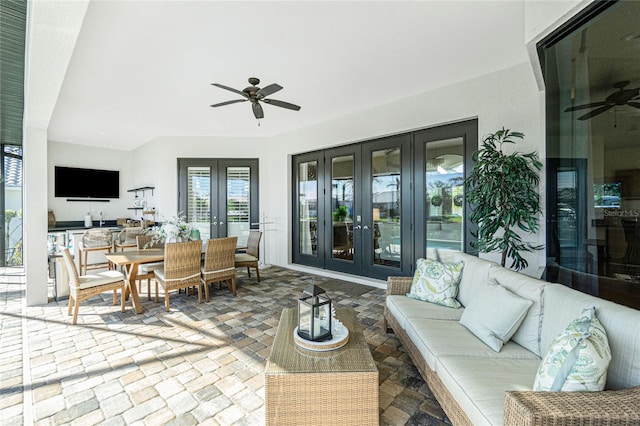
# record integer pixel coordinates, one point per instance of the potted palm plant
(502, 192)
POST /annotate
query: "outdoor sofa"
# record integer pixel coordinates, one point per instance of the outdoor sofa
(476, 385)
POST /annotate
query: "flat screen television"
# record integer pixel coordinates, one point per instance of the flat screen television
(86, 183)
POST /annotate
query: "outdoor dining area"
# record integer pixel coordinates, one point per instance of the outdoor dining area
(139, 257)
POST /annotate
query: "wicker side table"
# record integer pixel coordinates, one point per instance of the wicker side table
(338, 387)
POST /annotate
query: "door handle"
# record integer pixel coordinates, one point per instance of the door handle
(215, 223)
(357, 227)
(366, 227)
(221, 223)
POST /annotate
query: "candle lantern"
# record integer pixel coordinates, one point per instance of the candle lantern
(314, 315)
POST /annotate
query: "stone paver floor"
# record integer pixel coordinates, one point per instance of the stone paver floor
(198, 364)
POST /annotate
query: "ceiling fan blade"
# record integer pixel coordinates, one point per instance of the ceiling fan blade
(231, 89)
(229, 102)
(282, 104)
(634, 104)
(266, 91)
(257, 110)
(585, 106)
(596, 112)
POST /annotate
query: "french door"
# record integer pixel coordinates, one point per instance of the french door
(375, 207)
(219, 196)
(353, 212)
(443, 160)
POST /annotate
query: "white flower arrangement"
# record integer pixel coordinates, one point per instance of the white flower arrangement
(173, 229)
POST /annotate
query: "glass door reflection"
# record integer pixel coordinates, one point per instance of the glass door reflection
(386, 207)
(444, 194)
(308, 207)
(342, 202)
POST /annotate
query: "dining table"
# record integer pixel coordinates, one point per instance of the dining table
(130, 260)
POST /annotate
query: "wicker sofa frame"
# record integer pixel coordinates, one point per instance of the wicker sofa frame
(611, 408)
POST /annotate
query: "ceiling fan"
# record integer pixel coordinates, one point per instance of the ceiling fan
(621, 97)
(256, 95)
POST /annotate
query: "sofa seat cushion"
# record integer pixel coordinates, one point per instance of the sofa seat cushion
(436, 338)
(403, 307)
(479, 384)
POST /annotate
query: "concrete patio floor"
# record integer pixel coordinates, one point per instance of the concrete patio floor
(201, 363)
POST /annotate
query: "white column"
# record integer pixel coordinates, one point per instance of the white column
(35, 214)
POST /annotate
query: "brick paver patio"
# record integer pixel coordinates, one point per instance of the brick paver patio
(198, 364)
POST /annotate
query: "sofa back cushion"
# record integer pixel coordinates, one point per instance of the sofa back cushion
(528, 334)
(475, 273)
(562, 304)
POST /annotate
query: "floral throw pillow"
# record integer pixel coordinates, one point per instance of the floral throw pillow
(578, 359)
(436, 282)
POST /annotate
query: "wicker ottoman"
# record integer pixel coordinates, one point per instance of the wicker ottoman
(338, 387)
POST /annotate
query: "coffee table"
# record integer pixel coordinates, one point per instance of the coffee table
(338, 387)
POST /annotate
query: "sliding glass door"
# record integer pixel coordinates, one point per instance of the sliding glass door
(219, 196)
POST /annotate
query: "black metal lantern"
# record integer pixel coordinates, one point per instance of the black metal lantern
(314, 315)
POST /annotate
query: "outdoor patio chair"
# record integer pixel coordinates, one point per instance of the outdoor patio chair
(252, 255)
(219, 264)
(181, 268)
(94, 240)
(82, 287)
(146, 270)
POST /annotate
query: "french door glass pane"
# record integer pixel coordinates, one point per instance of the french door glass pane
(308, 221)
(342, 196)
(444, 198)
(238, 203)
(386, 204)
(199, 199)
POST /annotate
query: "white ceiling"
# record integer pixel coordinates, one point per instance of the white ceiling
(144, 69)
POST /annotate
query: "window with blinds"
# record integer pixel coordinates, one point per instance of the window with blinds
(238, 194)
(199, 199)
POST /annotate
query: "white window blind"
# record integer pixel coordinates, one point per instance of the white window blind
(198, 198)
(238, 194)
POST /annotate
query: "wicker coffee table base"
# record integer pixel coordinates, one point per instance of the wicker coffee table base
(339, 387)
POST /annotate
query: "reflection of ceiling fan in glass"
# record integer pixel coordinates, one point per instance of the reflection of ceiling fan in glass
(621, 97)
(256, 95)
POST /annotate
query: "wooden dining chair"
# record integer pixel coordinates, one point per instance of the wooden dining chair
(146, 270)
(82, 287)
(219, 264)
(181, 268)
(252, 255)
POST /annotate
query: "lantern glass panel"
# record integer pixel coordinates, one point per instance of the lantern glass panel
(304, 321)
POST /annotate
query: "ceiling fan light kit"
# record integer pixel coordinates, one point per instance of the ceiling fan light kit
(255, 95)
(619, 98)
